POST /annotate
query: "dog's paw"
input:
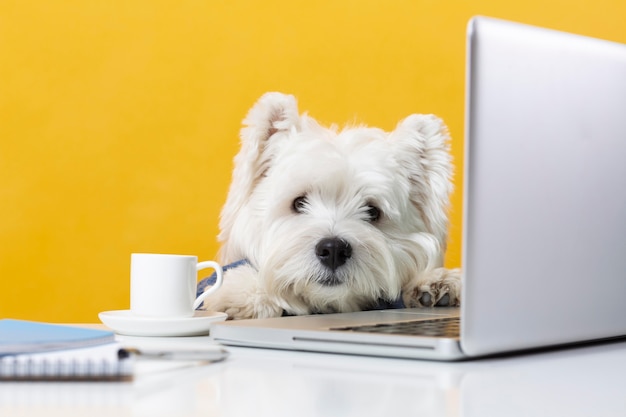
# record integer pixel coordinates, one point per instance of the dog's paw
(439, 287)
(252, 311)
(247, 305)
(238, 308)
(241, 297)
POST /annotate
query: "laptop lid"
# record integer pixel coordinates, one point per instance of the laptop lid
(544, 250)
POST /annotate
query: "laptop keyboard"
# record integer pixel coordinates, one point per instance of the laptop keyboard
(445, 327)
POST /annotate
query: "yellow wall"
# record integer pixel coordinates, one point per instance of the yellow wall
(119, 119)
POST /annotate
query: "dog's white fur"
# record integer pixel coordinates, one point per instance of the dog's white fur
(296, 183)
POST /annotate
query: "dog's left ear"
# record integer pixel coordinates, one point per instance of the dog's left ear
(271, 119)
(422, 148)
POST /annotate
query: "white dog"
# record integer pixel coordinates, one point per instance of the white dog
(322, 220)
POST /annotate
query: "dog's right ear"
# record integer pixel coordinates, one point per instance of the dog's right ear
(272, 113)
(272, 117)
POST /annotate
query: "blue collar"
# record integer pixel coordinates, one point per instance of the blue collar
(211, 280)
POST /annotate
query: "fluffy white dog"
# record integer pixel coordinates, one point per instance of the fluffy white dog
(322, 220)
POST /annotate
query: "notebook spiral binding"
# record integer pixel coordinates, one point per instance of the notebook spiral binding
(16, 368)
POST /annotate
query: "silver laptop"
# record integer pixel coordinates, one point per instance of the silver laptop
(544, 234)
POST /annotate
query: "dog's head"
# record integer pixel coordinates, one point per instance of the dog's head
(335, 220)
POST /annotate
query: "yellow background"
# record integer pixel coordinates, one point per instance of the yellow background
(119, 119)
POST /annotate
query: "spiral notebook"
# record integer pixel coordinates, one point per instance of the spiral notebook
(32, 351)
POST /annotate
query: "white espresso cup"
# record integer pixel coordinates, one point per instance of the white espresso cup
(165, 285)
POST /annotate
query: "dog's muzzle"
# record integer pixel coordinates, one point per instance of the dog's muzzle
(333, 252)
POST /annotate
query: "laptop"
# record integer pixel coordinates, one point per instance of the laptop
(544, 233)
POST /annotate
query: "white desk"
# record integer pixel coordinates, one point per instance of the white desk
(583, 381)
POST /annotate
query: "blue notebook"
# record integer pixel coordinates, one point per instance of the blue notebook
(20, 336)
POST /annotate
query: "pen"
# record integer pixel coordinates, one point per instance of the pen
(204, 355)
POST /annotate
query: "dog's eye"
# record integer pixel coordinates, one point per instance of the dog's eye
(373, 213)
(299, 204)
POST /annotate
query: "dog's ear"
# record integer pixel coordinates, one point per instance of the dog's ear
(273, 115)
(422, 148)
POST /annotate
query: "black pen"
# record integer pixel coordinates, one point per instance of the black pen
(201, 355)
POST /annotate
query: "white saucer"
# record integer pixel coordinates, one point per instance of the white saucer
(126, 323)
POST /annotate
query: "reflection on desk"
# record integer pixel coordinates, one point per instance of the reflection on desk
(582, 381)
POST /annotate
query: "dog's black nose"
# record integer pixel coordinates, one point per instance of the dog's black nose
(333, 252)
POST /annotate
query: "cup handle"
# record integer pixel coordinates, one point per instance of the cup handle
(219, 274)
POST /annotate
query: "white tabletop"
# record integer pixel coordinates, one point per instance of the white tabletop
(582, 381)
